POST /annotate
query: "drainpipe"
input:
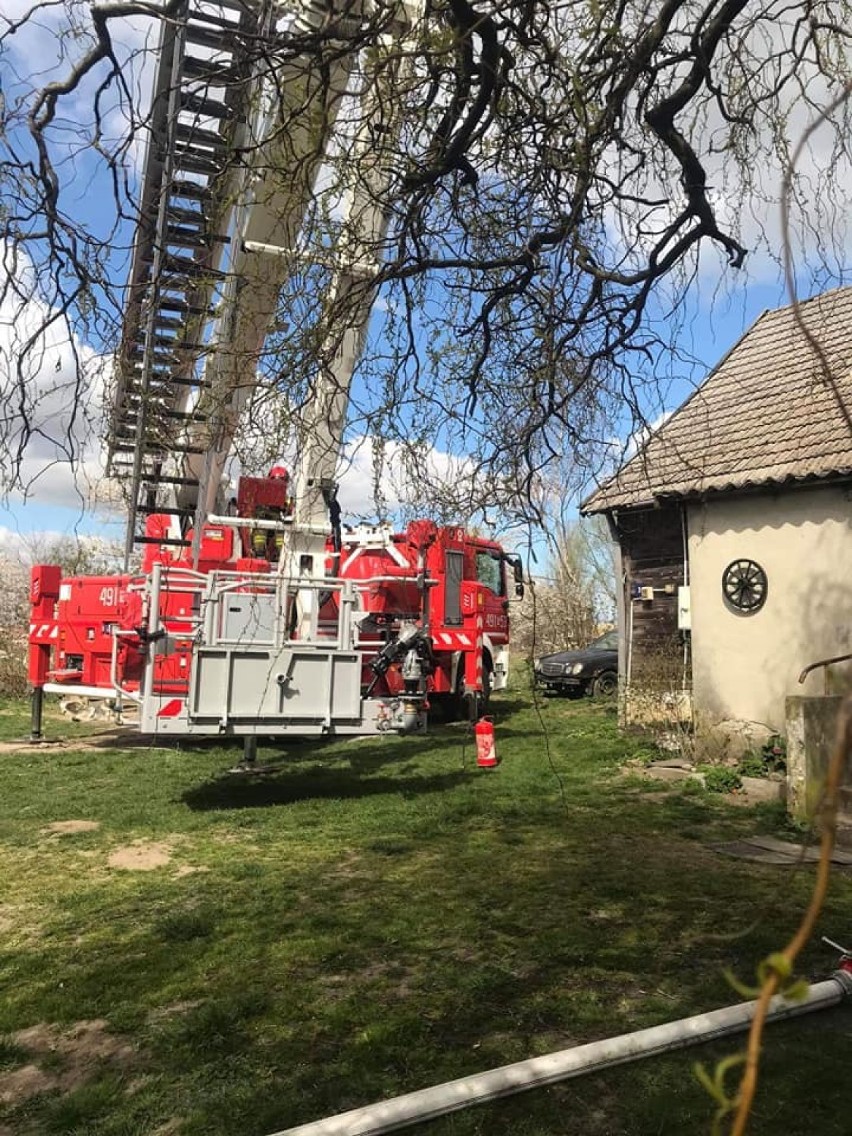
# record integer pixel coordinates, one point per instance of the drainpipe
(687, 636)
(428, 1104)
(622, 607)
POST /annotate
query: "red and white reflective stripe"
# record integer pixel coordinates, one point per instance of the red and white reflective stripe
(43, 632)
(171, 709)
(479, 648)
(455, 639)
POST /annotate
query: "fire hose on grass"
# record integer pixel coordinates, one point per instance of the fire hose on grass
(537, 1072)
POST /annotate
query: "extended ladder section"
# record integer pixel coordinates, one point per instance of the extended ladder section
(245, 116)
(200, 102)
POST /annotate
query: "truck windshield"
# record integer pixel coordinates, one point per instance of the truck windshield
(489, 571)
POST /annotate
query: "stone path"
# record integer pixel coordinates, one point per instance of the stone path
(771, 850)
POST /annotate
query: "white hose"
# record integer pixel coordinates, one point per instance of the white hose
(427, 1104)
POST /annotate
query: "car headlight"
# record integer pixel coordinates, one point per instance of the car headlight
(576, 669)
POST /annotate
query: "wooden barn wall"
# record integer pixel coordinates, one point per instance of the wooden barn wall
(652, 550)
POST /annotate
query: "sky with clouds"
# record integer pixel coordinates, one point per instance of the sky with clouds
(59, 494)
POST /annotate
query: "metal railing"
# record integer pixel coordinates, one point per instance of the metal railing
(826, 663)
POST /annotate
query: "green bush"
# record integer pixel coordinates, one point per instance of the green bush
(772, 758)
(720, 778)
(752, 765)
(774, 754)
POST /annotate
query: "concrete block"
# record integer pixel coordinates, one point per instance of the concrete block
(668, 773)
(763, 789)
(811, 723)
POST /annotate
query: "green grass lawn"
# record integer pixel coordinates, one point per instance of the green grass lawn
(377, 916)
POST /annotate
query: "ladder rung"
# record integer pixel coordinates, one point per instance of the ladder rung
(244, 7)
(161, 341)
(165, 380)
(179, 215)
(186, 266)
(207, 108)
(184, 238)
(158, 340)
(217, 21)
(171, 341)
(138, 539)
(192, 133)
(196, 163)
(218, 38)
(172, 511)
(169, 479)
(199, 384)
(157, 415)
(172, 304)
(207, 69)
(127, 446)
(180, 187)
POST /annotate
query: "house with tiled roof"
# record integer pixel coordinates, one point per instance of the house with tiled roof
(734, 523)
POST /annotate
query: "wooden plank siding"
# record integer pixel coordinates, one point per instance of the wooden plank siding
(652, 551)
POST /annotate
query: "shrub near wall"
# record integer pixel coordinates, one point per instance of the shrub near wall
(657, 695)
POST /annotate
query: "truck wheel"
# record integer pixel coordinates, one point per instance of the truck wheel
(446, 705)
(487, 682)
(477, 704)
(452, 706)
(605, 685)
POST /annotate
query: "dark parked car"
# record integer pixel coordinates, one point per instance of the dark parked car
(591, 670)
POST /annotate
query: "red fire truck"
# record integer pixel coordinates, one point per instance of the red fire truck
(268, 617)
(396, 623)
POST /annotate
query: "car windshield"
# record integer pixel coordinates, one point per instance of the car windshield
(608, 642)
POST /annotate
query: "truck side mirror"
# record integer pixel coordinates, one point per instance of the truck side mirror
(518, 572)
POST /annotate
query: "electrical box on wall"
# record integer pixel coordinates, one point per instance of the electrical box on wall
(647, 593)
(684, 609)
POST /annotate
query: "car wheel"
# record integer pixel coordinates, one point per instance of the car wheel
(605, 685)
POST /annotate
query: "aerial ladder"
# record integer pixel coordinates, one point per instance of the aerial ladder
(240, 127)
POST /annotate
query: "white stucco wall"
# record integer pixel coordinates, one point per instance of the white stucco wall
(745, 665)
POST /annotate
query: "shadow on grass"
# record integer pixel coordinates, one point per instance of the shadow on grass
(242, 792)
(500, 707)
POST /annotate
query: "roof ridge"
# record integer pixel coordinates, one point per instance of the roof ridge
(762, 379)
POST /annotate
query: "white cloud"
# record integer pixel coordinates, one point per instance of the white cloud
(427, 482)
(379, 481)
(11, 542)
(641, 436)
(52, 389)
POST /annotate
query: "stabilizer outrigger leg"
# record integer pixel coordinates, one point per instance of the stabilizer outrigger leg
(250, 751)
(37, 708)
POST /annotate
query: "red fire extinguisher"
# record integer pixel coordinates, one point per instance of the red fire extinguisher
(486, 752)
